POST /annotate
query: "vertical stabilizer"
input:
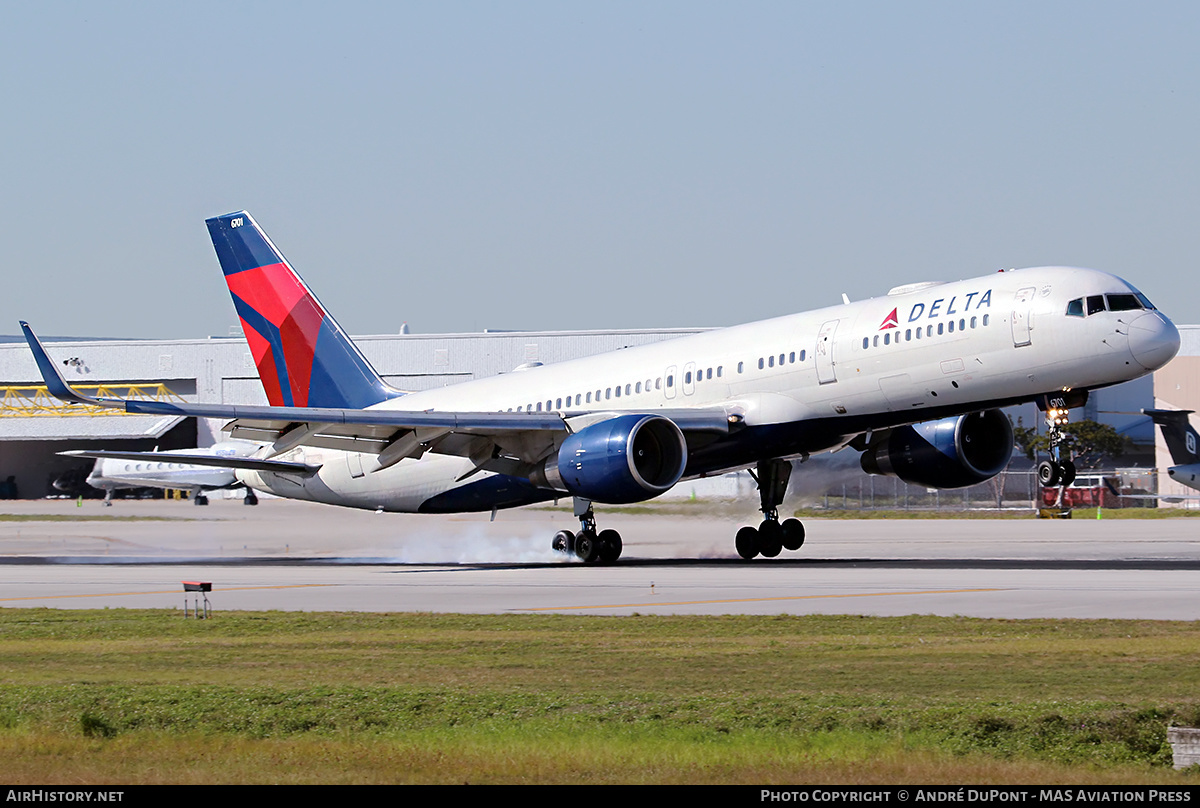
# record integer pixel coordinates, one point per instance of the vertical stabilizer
(304, 358)
(1179, 434)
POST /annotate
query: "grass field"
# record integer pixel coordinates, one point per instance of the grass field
(120, 696)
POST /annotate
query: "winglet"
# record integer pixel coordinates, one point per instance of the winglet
(55, 383)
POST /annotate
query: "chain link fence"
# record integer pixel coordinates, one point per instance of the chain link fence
(1009, 490)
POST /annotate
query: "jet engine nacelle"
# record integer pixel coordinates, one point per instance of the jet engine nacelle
(629, 458)
(950, 453)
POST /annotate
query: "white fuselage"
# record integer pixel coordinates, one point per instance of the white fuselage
(807, 382)
(110, 473)
(1188, 475)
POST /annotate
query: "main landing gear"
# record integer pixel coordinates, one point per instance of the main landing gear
(770, 538)
(591, 547)
(1057, 470)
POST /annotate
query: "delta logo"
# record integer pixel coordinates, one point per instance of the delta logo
(891, 321)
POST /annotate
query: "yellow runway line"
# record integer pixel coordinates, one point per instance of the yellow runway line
(163, 592)
(760, 600)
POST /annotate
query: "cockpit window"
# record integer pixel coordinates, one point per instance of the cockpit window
(1145, 301)
(1095, 303)
(1075, 307)
(1124, 303)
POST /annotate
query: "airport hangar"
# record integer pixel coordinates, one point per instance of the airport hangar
(34, 427)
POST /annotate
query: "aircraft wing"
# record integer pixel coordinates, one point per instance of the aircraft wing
(218, 461)
(493, 440)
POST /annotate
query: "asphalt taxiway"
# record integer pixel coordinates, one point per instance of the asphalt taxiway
(678, 559)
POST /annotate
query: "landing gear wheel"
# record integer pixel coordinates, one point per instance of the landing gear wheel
(250, 499)
(770, 538)
(200, 499)
(587, 547)
(747, 543)
(563, 542)
(1048, 473)
(610, 546)
(793, 534)
(1068, 472)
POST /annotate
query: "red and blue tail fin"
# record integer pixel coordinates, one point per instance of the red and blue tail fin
(304, 357)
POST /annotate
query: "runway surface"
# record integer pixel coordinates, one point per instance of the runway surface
(299, 556)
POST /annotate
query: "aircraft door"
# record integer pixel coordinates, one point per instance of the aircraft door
(669, 382)
(689, 378)
(1021, 316)
(824, 353)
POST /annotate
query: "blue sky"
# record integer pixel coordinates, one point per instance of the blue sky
(462, 166)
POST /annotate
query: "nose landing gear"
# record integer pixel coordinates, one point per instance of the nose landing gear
(1060, 468)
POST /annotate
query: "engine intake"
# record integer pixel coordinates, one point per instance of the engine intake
(626, 459)
(950, 453)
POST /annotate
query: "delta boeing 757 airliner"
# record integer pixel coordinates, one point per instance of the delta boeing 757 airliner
(912, 380)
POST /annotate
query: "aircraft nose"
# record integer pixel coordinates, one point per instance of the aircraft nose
(1153, 340)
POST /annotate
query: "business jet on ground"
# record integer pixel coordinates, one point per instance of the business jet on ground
(912, 380)
(173, 470)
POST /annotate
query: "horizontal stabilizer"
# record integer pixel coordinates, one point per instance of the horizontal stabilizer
(218, 461)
